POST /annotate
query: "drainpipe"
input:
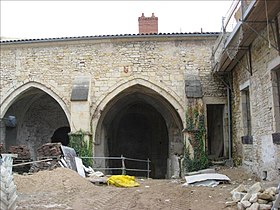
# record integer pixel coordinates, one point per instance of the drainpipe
(229, 124)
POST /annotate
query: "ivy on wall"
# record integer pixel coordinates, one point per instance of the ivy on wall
(82, 146)
(195, 127)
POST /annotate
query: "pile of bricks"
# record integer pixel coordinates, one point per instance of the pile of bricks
(49, 150)
(23, 156)
(22, 151)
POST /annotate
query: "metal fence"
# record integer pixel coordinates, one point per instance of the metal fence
(123, 167)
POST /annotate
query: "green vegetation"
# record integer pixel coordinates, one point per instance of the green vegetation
(82, 146)
(195, 128)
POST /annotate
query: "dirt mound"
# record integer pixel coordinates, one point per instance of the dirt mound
(59, 179)
(65, 189)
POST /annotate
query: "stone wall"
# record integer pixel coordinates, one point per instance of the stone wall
(113, 65)
(260, 156)
(163, 61)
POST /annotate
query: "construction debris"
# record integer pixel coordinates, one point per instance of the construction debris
(254, 197)
(23, 156)
(49, 149)
(48, 156)
(22, 151)
(69, 155)
(7, 187)
(207, 179)
(122, 181)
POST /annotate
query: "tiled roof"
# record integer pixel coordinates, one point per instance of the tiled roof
(110, 37)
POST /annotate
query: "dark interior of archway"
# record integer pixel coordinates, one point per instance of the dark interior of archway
(38, 115)
(139, 131)
(215, 131)
(61, 135)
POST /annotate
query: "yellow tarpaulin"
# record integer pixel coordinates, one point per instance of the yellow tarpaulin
(122, 181)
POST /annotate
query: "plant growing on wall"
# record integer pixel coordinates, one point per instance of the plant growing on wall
(82, 146)
(195, 129)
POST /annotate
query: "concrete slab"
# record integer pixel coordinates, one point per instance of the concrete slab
(207, 176)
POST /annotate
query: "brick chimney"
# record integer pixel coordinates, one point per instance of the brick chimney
(148, 25)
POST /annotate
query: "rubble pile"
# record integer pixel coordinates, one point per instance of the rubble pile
(254, 197)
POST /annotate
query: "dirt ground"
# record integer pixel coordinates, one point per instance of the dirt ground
(64, 189)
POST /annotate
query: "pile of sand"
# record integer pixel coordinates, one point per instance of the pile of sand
(59, 179)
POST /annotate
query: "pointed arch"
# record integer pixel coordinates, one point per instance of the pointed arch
(139, 118)
(14, 94)
(165, 92)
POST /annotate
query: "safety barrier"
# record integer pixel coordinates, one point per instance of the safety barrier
(124, 169)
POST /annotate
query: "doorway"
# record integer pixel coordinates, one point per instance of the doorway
(215, 131)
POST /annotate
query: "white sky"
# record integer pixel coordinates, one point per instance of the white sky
(46, 19)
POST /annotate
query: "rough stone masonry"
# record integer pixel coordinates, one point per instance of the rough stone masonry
(119, 79)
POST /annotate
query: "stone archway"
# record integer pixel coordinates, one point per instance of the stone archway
(38, 114)
(140, 123)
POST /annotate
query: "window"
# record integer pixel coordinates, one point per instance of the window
(246, 114)
(276, 98)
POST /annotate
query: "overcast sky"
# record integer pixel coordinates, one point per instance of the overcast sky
(50, 19)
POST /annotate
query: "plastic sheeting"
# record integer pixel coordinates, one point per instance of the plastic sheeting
(122, 181)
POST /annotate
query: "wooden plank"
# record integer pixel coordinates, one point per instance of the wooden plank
(79, 165)
(27, 163)
(10, 155)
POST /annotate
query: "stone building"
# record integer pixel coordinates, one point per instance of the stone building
(128, 92)
(144, 95)
(247, 59)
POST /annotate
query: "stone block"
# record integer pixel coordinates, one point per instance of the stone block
(240, 206)
(266, 196)
(246, 197)
(246, 204)
(240, 188)
(271, 190)
(237, 196)
(230, 203)
(254, 206)
(265, 207)
(262, 201)
(255, 188)
(254, 198)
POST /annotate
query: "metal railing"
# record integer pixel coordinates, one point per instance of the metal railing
(123, 167)
(237, 12)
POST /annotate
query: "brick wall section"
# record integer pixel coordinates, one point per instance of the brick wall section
(148, 25)
(262, 155)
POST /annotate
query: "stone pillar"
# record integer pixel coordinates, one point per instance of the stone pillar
(80, 136)
(80, 104)
(80, 116)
